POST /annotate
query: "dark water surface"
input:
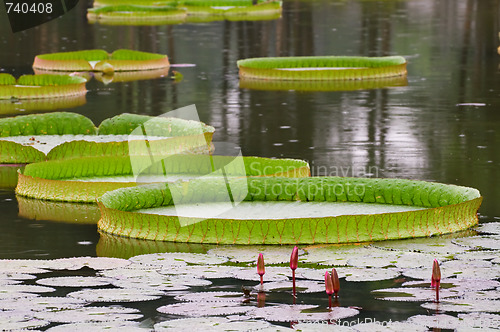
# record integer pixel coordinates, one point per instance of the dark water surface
(442, 126)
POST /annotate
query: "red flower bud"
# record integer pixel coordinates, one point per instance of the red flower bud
(335, 281)
(294, 258)
(261, 270)
(328, 283)
(436, 274)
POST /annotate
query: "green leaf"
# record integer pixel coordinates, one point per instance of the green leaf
(333, 68)
(119, 213)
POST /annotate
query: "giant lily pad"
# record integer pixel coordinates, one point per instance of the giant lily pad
(119, 14)
(314, 68)
(41, 86)
(417, 209)
(173, 12)
(32, 138)
(100, 60)
(85, 179)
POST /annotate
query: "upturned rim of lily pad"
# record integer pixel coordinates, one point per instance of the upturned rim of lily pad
(64, 180)
(183, 135)
(41, 86)
(447, 208)
(101, 61)
(321, 68)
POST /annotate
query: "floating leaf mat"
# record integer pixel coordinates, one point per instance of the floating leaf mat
(169, 12)
(136, 15)
(31, 138)
(85, 179)
(439, 209)
(114, 77)
(41, 86)
(313, 68)
(101, 61)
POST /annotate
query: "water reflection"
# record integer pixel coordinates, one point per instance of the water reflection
(72, 213)
(347, 85)
(24, 106)
(122, 247)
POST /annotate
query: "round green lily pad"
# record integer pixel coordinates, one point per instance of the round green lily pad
(312, 68)
(296, 312)
(41, 86)
(433, 209)
(100, 60)
(90, 314)
(119, 326)
(85, 179)
(135, 14)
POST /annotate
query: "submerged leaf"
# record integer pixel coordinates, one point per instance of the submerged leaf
(201, 309)
(100, 327)
(73, 281)
(211, 324)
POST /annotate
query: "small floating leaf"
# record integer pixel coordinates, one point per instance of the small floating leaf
(73, 281)
(172, 259)
(336, 255)
(90, 314)
(372, 274)
(205, 271)
(302, 286)
(244, 254)
(436, 321)
(200, 309)
(95, 263)
(14, 321)
(388, 326)
(319, 327)
(116, 295)
(479, 320)
(464, 305)
(408, 294)
(100, 327)
(433, 245)
(489, 228)
(25, 288)
(51, 303)
(480, 242)
(212, 297)
(478, 255)
(290, 313)
(273, 273)
(211, 324)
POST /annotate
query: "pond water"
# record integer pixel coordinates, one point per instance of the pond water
(441, 125)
